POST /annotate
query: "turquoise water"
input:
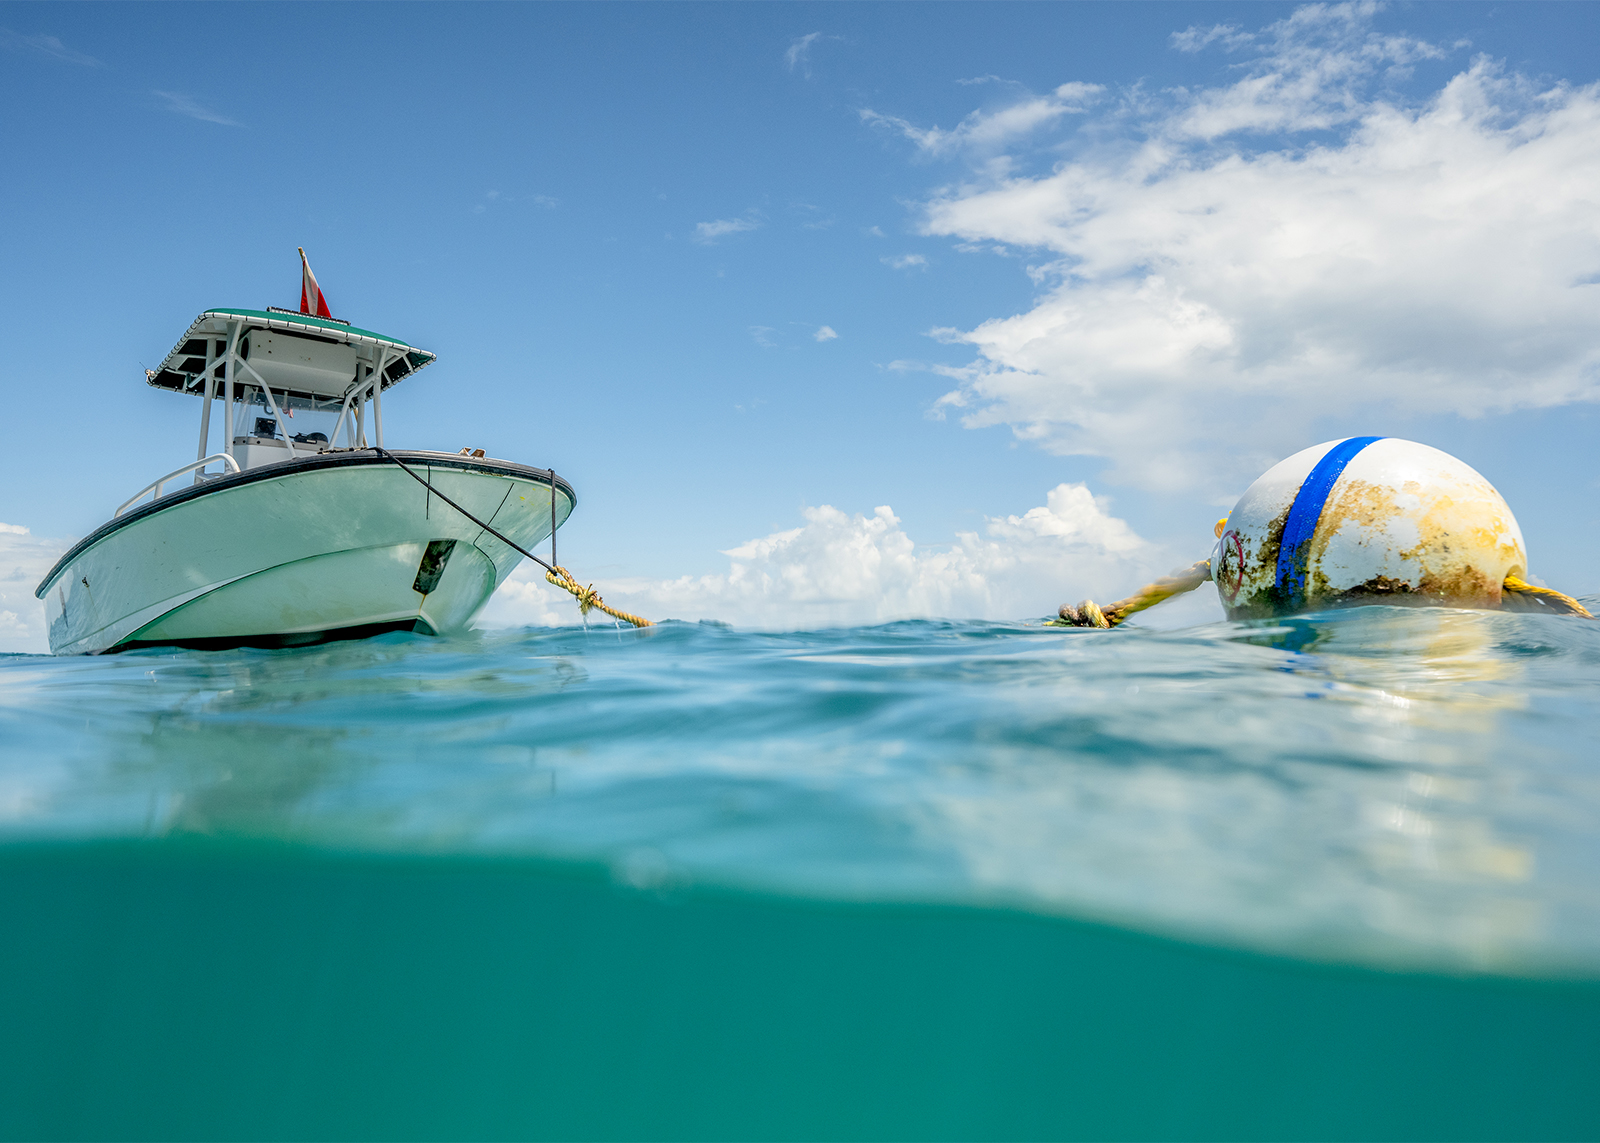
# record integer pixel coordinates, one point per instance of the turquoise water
(1334, 877)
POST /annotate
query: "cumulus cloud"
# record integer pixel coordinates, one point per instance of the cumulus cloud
(1222, 266)
(709, 232)
(824, 333)
(182, 104)
(840, 569)
(24, 560)
(906, 262)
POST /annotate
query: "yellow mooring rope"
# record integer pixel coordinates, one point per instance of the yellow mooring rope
(1519, 595)
(588, 598)
(1087, 614)
(1516, 595)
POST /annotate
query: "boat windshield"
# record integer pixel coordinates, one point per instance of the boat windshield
(308, 420)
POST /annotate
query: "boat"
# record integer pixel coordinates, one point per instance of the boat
(303, 527)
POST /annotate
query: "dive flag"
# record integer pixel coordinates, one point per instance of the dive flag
(310, 292)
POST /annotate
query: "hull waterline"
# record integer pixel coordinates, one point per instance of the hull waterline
(340, 545)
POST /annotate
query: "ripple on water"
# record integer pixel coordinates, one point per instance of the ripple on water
(1388, 785)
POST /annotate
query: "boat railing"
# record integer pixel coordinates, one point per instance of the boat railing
(155, 485)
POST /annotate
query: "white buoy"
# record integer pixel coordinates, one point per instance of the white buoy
(1366, 520)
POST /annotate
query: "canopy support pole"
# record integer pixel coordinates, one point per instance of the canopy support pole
(344, 408)
(205, 410)
(227, 381)
(377, 396)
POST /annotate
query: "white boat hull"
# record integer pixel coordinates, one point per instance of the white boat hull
(335, 546)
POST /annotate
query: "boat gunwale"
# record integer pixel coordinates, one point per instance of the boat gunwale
(277, 469)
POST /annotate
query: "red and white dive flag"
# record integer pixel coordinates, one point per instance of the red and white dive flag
(311, 299)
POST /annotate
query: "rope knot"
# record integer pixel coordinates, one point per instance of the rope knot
(588, 598)
(1088, 614)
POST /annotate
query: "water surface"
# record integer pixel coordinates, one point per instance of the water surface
(1236, 880)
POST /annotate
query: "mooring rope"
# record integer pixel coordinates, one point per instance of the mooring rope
(1516, 595)
(1523, 596)
(588, 598)
(1087, 614)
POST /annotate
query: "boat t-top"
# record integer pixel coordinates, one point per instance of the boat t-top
(303, 526)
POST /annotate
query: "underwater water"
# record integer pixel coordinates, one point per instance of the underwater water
(1329, 877)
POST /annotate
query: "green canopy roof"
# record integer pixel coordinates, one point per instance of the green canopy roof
(184, 369)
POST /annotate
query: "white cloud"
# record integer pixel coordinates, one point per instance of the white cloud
(24, 560)
(185, 105)
(986, 131)
(799, 52)
(847, 569)
(907, 365)
(824, 333)
(812, 217)
(1207, 297)
(1195, 38)
(709, 232)
(526, 600)
(495, 198)
(906, 262)
(1314, 73)
(45, 45)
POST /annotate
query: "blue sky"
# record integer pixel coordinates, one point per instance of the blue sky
(1056, 244)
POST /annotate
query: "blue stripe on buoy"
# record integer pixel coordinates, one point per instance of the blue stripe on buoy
(1304, 514)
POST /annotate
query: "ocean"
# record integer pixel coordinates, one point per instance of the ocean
(1335, 876)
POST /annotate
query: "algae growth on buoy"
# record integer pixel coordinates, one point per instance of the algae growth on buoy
(1366, 520)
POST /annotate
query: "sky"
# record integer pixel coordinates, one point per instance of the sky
(830, 313)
